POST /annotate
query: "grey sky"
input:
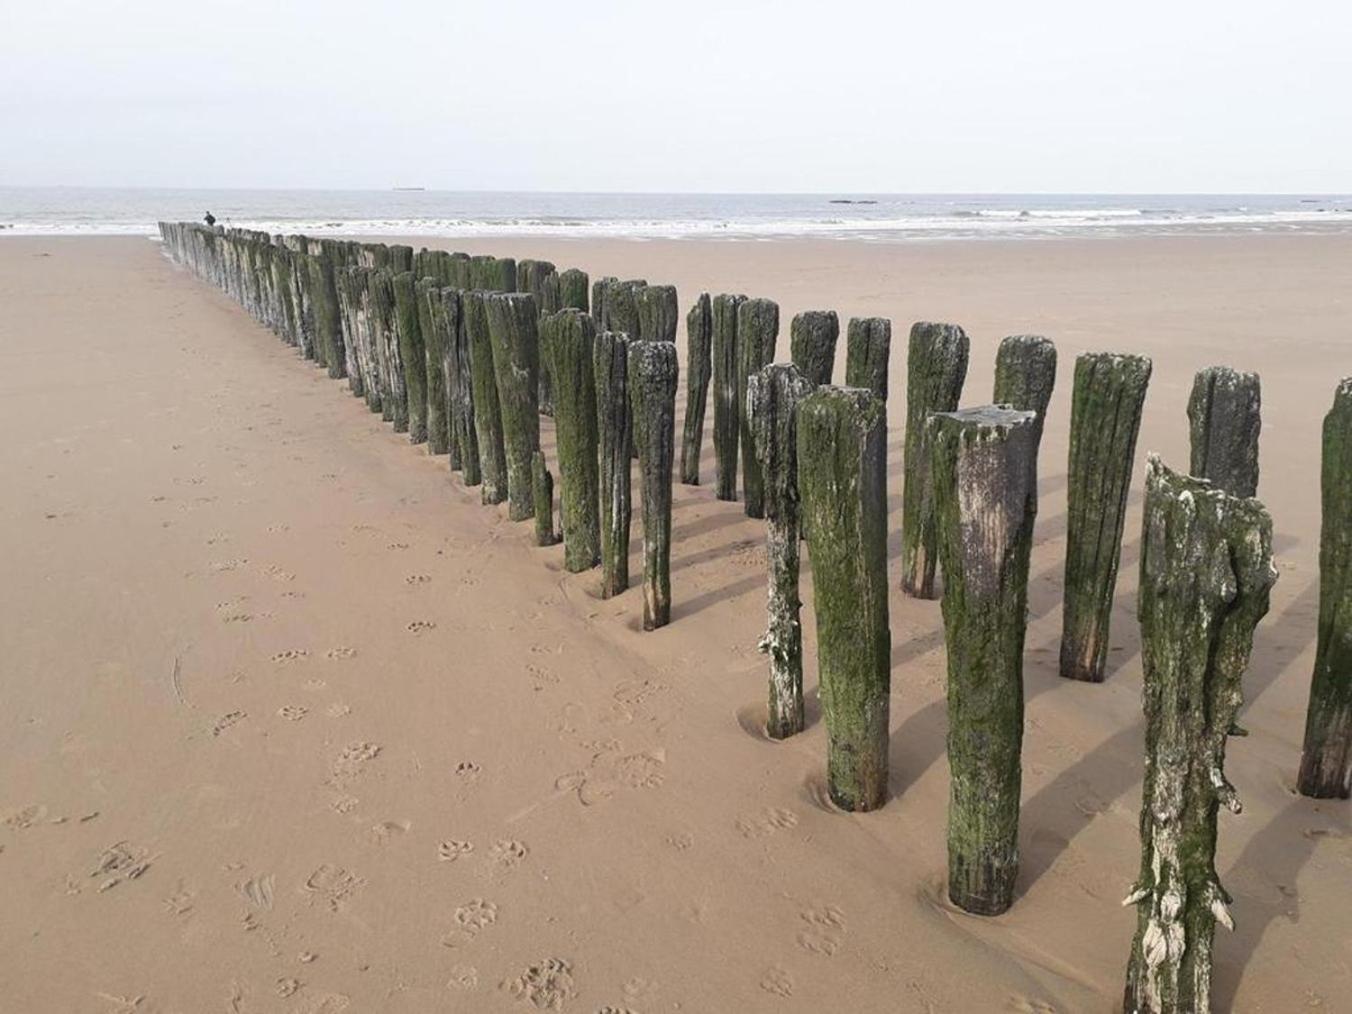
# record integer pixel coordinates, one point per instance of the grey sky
(608, 95)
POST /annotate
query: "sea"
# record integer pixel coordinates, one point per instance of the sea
(28, 211)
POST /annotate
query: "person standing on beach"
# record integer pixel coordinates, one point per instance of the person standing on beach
(210, 220)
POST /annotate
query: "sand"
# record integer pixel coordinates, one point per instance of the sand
(291, 723)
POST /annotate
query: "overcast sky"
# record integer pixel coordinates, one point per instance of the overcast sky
(1188, 95)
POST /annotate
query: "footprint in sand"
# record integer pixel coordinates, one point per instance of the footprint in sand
(353, 759)
(293, 712)
(315, 684)
(227, 720)
(541, 677)
(463, 978)
(221, 566)
(545, 986)
(766, 822)
(397, 545)
(420, 626)
(777, 981)
(290, 655)
(258, 891)
(340, 652)
(331, 885)
(1026, 1005)
(471, 919)
(417, 579)
(388, 830)
(288, 987)
(118, 863)
(680, 841)
(180, 902)
(337, 710)
(824, 931)
(468, 772)
(22, 819)
(506, 855)
(344, 804)
(452, 849)
(237, 618)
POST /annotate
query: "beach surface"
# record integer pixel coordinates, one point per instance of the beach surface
(292, 723)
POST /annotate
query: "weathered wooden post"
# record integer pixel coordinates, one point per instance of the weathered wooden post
(1326, 761)
(394, 396)
(868, 344)
(614, 420)
(842, 479)
(573, 289)
(772, 397)
(428, 292)
(493, 274)
(484, 387)
(699, 336)
(542, 489)
(1223, 421)
(812, 344)
(567, 340)
(658, 313)
(757, 330)
(598, 300)
(985, 500)
(1025, 374)
(1105, 417)
(727, 405)
(349, 307)
(460, 388)
(516, 363)
(373, 383)
(328, 323)
(1206, 571)
(652, 385)
(935, 370)
(535, 277)
(412, 355)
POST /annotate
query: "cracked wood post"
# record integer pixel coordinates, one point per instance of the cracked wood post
(567, 339)
(573, 285)
(1105, 417)
(542, 489)
(658, 313)
(484, 391)
(516, 362)
(812, 344)
(935, 370)
(535, 277)
(613, 419)
(842, 485)
(412, 354)
(348, 303)
(1025, 374)
(699, 334)
(653, 374)
(1206, 571)
(599, 289)
(1326, 760)
(328, 323)
(394, 396)
(868, 344)
(493, 274)
(460, 388)
(372, 386)
(433, 330)
(985, 500)
(727, 406)
(1223, 421)
(757, 329)
(772, 398)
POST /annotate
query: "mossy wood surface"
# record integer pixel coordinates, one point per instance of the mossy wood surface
(1025, 375)
(614, 421)
(699, 324)
(484, 384)
(567, 340)
(513, 329)
(1224, 420)
(812, 344)
(653, 376)
(727, 405)
(757, 332)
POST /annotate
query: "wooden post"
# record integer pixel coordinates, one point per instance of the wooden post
(812, 344)
(1326, 762)
(493, 274)
(1105, 417)
(727, 405)
(567, 340)
(658, 313)
(1206, 571)
(1224, 420)
(985, 500)
(772, 398)
(328, 323)
(534, 277)
(1025, 373)
(757, 330)
(611, 366)
(868, 344)
(935, 370)
(372, 379)
(842, 480)
(516, 363)
(542, 489)
(573, 289)
(394, 394)
(699, 335)
(484, 385)
(412, 355)
(349, 307)
(598, 300)
(460, 387)
(428, 292)
(653, 375)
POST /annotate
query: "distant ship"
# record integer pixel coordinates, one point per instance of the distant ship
(410, 188)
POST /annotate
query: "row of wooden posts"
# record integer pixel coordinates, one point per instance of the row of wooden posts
(465, 353)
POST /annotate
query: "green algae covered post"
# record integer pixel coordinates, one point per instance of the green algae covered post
(513, 330)
(573, 286)
(699, 335)
(842, 480)
(772, 398)
(985, 500)
(1206, 573)
(428, 297)
(936, 367)
(1025, 374)
(757, 332)
(727, 404)
(484, 385)
(1326, 762)
(614, 421)
(868, 345)
(653, 375)
(1105, 417)
(412, 354)
(567, 339)
(1224, 419)
(542, 489)
(812, 344)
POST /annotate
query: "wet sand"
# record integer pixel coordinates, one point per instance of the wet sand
(292, 723)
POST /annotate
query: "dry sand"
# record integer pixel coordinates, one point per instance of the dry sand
(291, 723)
